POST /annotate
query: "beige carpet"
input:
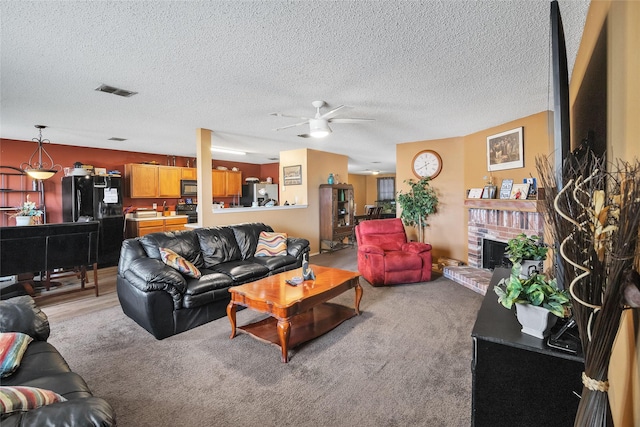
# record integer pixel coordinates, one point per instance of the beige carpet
(405, 361)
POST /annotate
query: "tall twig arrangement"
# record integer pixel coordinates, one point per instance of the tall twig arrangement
(594, 220)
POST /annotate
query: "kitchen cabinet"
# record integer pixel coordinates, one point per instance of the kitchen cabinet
(336, 216)
(189, 173)
(169, 181)
(234, 183)
(138, 227)
(142, 180)
(153, 181)
(226, 183)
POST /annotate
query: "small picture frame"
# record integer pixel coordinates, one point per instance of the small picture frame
(519, 191)
(533, 188)
(292, 175)
(475, 193)
(505, 188)
(489, 192)
(505, 150)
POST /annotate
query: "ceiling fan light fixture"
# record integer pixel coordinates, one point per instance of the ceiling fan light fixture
(319, 128)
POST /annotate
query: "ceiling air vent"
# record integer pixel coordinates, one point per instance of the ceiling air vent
(115, 91)
(115, 138)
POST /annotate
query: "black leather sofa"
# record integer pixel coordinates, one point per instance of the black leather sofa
(42, 366)
(166, 302)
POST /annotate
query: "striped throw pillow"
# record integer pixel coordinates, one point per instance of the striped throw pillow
(12, 348)
(19, 399)
(271, 244)
(179, 263)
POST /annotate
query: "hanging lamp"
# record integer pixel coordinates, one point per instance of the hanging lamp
(40, 165)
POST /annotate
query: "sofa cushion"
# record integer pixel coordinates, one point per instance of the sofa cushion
(247, 237)
(218, 245)
(242, 271)
(18, 399)
(274, 263)
(271, 244)
(20, 314)
(184, 243)
(12, 348)
(209, 281)
(211, 287)
(41, 360)
(179, 263)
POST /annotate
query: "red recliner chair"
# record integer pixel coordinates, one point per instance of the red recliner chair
(386, 258)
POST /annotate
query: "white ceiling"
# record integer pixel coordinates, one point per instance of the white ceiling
(422, 69)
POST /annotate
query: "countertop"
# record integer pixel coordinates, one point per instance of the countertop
(257, 209)
(133, 218)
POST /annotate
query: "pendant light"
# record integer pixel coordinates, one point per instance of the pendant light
(40, 165)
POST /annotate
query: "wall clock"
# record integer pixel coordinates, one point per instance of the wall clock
(427, 163)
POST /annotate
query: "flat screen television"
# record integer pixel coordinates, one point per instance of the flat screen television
(561, 125)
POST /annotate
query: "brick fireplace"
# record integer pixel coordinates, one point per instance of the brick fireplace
(494, 220)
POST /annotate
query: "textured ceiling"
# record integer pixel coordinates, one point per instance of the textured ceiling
(422, 69)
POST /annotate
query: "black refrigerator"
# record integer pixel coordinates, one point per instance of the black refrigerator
(99, 198)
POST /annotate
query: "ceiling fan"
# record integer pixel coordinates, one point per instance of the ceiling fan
(319, 124)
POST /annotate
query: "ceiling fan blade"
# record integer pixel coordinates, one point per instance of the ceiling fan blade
(293, 125)
(333, 112)
(350, 120)
(288, 116)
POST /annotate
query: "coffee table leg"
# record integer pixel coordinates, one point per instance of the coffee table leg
(284, 329)
(231, 314)
(358, 297)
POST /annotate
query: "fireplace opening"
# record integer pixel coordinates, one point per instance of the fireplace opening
(493, 254)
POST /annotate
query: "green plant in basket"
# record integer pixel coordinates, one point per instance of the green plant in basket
(523, 247)
(535, 290)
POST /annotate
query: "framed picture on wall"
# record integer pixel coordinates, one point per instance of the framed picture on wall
(292, 175)
(505, 150)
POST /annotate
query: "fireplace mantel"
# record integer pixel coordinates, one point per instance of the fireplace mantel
(506, 205)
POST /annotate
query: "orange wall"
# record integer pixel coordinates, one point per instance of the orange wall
(15, 152)
(620, 21)
(445, 232)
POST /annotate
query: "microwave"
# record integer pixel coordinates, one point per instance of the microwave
(188, 187)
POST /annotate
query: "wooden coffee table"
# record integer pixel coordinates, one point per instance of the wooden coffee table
(298, 313)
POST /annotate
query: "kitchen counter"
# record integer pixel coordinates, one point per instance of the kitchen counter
(257, 209)
(138, 227)
(151, 218)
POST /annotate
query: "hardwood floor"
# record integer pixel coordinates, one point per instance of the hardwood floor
(69, 300)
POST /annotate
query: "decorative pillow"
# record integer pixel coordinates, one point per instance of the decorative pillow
(12, 348)
(271, 244)
(174, 260)
(18, 399)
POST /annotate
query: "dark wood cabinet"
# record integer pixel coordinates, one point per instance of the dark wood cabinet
(517, 379)
(336, 216)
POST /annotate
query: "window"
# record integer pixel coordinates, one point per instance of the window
(386, 188)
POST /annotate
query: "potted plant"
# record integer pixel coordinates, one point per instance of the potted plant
(25, 214)
(527, 254)
(418, 204)
(539, 302)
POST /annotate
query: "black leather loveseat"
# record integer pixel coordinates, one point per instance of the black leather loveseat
(166, 302)
(43, 367)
